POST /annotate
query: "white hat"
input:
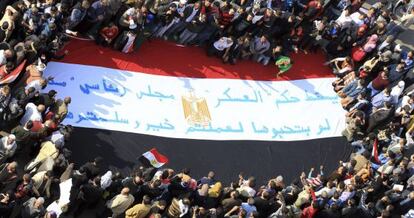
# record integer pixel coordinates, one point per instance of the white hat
(397, 48)
(183, 2)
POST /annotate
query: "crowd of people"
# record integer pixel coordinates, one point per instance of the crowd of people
(371, 70)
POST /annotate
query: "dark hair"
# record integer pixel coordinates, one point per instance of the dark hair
(31, 89)
(51, 93)
(162, 203)
(5, 26)
(49, 173)
(9, 65)
(146, 199)
(29, 124)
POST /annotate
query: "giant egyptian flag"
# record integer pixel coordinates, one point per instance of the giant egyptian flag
(199, 112)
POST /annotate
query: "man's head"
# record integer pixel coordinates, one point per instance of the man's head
(85, 4)
(197, 5)
(41, 108)
(67, 100)
(11, 139)
(402, 141)
(263, 39)
(97, 160)
(146, 200)
(162, 204)
(5, 90)
(234, 194)
(211, 175)
(43, 83)
(250, 201)
(52, 93)
(5, 26)
(125, 191)
(11, 167)
(27, 177)
(265, 195)
(104, 2)
(8, 53)
(9, 67)
(39, 202)
(156, 183)
(48, 175)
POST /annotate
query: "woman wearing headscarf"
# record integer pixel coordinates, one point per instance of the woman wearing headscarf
(396, 91)
(359, 53)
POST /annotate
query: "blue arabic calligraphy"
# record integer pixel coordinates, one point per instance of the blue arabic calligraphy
(286, 99)
(54, 83)
(245, 98)
(157, 127)
(323, 128)
(316, 96)
(158, 95)
(107, 85)
(229, 129)
(91, 116)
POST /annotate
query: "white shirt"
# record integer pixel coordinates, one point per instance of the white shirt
(35, 84)
(31, 114)
(223, 43)
(57, 138)
(192, 15)
(356, 19)
(329, 191)
(344, 20)
(246, 191)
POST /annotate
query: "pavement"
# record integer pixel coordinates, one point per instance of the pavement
(406, 39)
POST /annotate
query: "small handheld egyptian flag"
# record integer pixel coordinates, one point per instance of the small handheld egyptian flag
(374, 154)
(153, 158)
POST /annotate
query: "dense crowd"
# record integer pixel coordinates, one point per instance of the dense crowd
(371, 70)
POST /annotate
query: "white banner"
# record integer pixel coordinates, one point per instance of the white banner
(213, 109)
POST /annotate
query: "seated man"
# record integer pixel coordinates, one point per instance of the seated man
(258, 47)
(380, 116)
(7, 147)
(379, 100)
(351, 91)
(380, 82)
(219, 47)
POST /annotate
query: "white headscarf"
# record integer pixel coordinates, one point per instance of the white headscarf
(106, 179)
(396, 92)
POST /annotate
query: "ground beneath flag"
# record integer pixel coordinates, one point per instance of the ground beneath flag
(168, 59)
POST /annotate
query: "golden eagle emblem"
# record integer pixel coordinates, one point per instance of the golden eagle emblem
(196, 110)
